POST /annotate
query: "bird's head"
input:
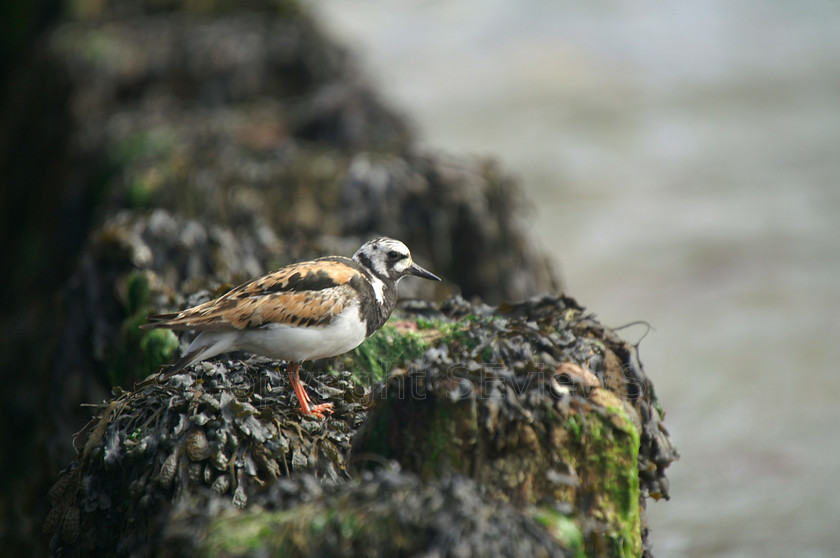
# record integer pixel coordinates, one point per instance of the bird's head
(391, 259)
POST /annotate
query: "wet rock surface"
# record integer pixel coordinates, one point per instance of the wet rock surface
(538, 402)
(387, 513)
(534, 408)
(227, 431)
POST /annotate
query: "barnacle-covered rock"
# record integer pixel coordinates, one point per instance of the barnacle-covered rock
(544, 409)
(117, 496)
(538, 402)
(389, 513)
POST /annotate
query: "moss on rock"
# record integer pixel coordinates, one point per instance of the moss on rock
(137, 353)
(386, 514)
(482, 408)
(507, 396)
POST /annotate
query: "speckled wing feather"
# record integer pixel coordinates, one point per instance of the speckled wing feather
(303, 294)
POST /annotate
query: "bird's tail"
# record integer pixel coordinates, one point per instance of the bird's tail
(190, 358)
(205, 345)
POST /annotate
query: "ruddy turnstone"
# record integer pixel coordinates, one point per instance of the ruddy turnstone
(304, 311)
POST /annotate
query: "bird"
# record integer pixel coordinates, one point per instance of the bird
(304, 311)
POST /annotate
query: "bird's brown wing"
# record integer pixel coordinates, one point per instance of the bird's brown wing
(303, 294)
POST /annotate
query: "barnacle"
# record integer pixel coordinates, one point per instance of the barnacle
(168, 469)
(59, 489)
(195, 473)
(221, 484)
(71, 525)
(209, 475)
(52, 520)
(240, 496)
(219, 460)
(198, 448)
(210, 402)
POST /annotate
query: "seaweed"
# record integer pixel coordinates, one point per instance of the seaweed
(226, 431)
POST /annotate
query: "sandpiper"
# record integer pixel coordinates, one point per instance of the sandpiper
(304, 311)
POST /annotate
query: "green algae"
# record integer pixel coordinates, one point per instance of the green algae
(562, 527)
(143, 145)
(138, 352)
(388, 514)
(452, 431)
(609, 470)
(600, 448)
(393, 346)
(295, 532)
(572, 424)
(381, 351)
(242, 534)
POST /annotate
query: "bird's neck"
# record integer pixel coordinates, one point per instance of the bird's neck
(385, 292)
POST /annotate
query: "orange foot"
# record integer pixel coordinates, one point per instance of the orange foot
(293, 370)
(319, 410)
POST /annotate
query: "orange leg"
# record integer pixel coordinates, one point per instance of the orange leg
(293, 369)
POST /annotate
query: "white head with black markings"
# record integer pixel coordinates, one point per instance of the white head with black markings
(390, 259)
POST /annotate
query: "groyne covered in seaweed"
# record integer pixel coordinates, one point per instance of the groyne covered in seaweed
(159, 154)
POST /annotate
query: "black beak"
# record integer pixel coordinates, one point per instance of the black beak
(415, 269)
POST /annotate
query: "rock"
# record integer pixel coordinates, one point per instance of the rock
(223, 435)
(514, 408)
(537, 402)
(388, 513)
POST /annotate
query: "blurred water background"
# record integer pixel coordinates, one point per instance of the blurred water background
(683, 160)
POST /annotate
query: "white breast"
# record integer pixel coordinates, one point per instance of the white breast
(378, 289)
(291, 343)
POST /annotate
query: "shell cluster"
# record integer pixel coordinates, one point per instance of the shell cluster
(225, 432)
(547, 389)
(547, 344)
(386, 513)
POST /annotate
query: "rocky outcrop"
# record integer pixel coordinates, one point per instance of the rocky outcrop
(534, 410)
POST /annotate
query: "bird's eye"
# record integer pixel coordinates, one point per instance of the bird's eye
(393, 255)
